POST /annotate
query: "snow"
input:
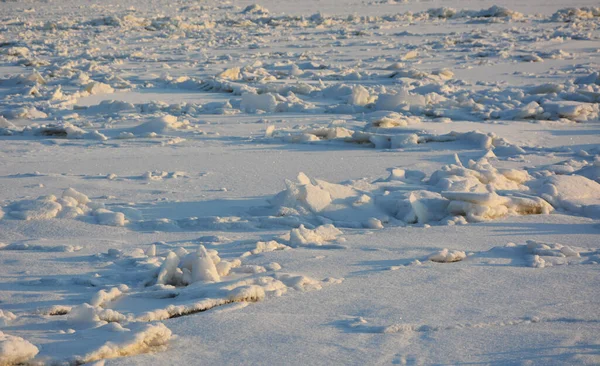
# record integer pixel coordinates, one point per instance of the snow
(315, 182)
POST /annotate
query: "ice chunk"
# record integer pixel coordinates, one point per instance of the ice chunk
(231, 74)
(254, 102)
(318, 236)
(15, 350)
(573, 193)
(576, 111)
(6, 316)
(143, 338)
(159, 125)
(97, 87)
(428, 206)
(109, 218)
(359, 97)
(167, 274)
(203, 268)
(447, 256)
(315, 198)
(81, 198)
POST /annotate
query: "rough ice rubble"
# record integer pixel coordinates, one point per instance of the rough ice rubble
(540, 250)
(451, 195)
(70, 205)
(384, 130)
(75, 74)
(15, 350)
(539, 254)
(168, 27)
(573, 14)
(433, 98)
(178, 283)
(115, 321)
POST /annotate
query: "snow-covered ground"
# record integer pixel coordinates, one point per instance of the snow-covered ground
(313, 182)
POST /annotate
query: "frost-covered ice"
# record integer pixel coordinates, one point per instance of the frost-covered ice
(402, 182)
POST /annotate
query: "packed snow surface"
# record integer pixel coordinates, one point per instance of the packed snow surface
(323, 182)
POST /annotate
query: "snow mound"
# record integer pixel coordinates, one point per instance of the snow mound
(48, 207)
(391, 119)
(97, 87)
(575, 111)
(264, 247)
(489, 206)
(72, 204)
(252, 103)
(6, 317)
(573, 14)
(41, 248)
(179, 283)
(15, 350)
(159, 126)
(230, 74)
(135, 340)
(66, 130)
(539, 254)
(492, 12)
(255, 9)
(318, 236)
(574, 193)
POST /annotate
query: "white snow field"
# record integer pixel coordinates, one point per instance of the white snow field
(317, 182)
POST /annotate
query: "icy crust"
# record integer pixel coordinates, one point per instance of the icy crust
(72, 204)
(15, 350)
